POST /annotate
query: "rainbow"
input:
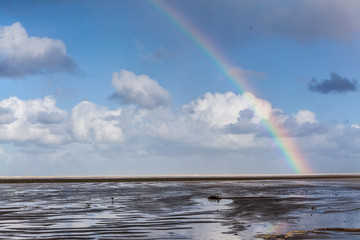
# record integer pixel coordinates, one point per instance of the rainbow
(285, 143)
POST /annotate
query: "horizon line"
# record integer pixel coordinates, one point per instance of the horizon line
(168, 178)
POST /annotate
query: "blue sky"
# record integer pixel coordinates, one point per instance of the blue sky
(114, 87)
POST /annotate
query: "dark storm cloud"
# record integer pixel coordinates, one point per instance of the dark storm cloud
(336, 84)
(308, 20)
(236, 21)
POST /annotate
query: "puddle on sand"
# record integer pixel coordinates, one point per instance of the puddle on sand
(179, 210)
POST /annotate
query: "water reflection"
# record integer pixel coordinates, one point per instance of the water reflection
(179, 210)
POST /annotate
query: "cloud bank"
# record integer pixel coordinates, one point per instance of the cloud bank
(335, 84)
(215, 126)
(211, 121)
(21, 55)
(216, 132)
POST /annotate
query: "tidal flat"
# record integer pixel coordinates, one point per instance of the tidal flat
(247, 209)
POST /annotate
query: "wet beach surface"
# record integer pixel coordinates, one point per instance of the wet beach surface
(266, 209)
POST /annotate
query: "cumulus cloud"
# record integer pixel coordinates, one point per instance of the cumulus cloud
(210, 122)
(304, 116)
(36, 121)
(214, 127)
(39, 121)
(219, 110)
(6, 116)
(21, 55)
(335, 84)
(220, 122)
(213, 121)
(140, 90)
(94, 123)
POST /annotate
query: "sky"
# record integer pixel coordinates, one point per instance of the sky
(138, 87)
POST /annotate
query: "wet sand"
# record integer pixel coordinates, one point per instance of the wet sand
(246, 209)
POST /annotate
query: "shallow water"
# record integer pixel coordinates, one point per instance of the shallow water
(180, 210)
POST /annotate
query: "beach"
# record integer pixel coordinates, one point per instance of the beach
(252, 208)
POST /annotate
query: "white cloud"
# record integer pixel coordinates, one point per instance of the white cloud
(20, 121)
(217, 128)
(304, 116)
(219, 110)
(94, 123)
(6, 116)
(21, 55)
(261, 107)
(140, 90)
(210, 122)
(39, 121)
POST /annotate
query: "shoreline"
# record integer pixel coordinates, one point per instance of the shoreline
(167, 178)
